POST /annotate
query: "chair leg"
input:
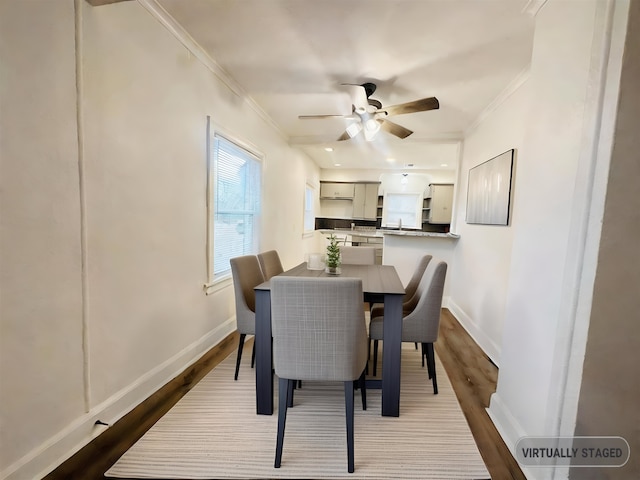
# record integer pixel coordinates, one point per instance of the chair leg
(239, 357)
(366, 368)
(253, 353)
(290, 393)
(416, 344)
(375, 356)
(424, 355)
(284, 387)
(348, 402)
(363, 390)
(431, 360)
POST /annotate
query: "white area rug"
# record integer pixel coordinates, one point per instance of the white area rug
(213, 432)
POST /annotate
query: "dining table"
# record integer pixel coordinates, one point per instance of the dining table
(380, 284)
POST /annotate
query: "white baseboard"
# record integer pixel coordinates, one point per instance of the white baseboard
(46, 457)
(486, 343)
(511, 431)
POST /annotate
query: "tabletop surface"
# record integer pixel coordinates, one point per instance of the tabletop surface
(377, 279)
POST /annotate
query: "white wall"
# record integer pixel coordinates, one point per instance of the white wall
(143, 102)
(405, 251)
(549, 267)
(482, 257)
(41, 358)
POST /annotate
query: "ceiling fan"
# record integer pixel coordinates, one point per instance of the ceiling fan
(373, 117)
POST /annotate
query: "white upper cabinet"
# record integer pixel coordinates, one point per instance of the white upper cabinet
(365, 200)
(336, 190)
(441, 203)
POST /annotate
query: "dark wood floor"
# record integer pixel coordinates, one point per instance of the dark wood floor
(474, 378)
(472, 375)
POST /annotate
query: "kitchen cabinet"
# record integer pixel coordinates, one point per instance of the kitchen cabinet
(365, 200)
(336, 190)
(440, 203)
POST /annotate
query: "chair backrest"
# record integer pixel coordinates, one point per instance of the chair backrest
(358, 255)
(246, 275)
(422, 324)
(318, 328)
(410, 297)
(270, 264)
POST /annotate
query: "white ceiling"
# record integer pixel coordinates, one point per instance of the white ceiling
(290, 57)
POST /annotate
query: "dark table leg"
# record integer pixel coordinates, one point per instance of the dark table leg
(391, 352)
(264, 378)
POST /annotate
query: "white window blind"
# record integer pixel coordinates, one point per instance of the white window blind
(236, 213)
(402, 209)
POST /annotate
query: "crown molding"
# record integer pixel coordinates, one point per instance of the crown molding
(167, 21)
(532, 7)
(515, 84)
(99, 3)
(438, 138)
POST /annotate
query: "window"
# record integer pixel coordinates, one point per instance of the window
(402, 209)
(309, 212)
(235, 210)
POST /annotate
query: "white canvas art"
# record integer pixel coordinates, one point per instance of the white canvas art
(489, 191)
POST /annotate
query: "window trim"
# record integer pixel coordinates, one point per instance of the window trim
(218, 282)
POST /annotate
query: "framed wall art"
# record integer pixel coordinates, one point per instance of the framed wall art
(489, 190)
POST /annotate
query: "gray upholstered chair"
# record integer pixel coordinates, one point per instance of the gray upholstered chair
(410, 298)
(358, 255)
(319, 333)
(247, 274)
(270, 264)
(422, 323)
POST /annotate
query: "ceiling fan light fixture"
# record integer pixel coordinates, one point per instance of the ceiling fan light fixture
(354, 129)
(371, 128)
(371, 125)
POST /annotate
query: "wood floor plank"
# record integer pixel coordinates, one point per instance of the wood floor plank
(474, 378)
(472, 375)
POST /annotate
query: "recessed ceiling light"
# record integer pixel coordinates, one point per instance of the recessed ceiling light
(444, 165)
(336, 164)
(328, 149)
(391, 160)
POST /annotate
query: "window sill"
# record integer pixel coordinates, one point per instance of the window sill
(217, 285)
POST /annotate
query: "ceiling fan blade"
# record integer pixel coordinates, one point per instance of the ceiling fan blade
(422, 105)
(395, 129)
(344, 136)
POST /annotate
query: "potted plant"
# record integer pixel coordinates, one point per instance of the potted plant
(333, 256)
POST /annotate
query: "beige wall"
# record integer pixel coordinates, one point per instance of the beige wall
(610, 391)
(130, 180)
(41, 357)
